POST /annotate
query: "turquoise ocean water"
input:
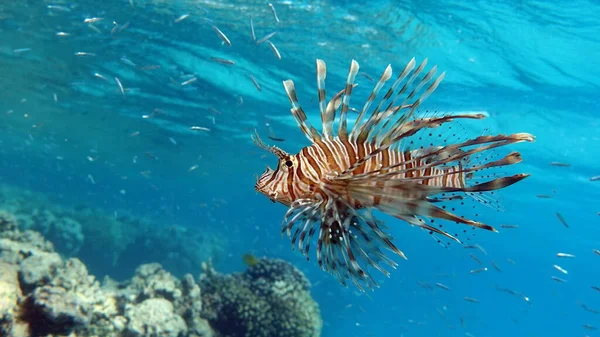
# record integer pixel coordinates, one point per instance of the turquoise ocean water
(98, 113)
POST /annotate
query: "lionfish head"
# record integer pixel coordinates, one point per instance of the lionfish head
(273, 183)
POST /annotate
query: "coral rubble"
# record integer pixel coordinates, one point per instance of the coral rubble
(42, 294)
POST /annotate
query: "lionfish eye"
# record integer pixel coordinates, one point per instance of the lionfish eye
(289, 163)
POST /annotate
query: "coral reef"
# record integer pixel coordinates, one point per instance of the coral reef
(42, 294)
(110, 242)
(270, 299)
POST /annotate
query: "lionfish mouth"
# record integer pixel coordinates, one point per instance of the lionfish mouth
(272, 197)
(260, 189)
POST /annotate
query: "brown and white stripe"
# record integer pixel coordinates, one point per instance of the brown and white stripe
(330, 157)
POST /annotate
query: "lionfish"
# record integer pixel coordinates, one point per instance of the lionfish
(389, 160)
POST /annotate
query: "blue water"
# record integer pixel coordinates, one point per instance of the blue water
(533, 66)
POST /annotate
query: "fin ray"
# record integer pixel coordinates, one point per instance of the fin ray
(342, 127)
(387, 74)
(299, 115)
(401, 199)
(321, 75)
(349, 241)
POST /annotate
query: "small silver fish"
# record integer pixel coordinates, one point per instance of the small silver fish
(222, 61)
(100, 76)
(560, 269)
(222, 36)
(252, 30)
(440, 285)
(59, 8)
(475, 258)
(92, 20)
(120, 86)
(127, 61)
(265, 38)
(21, 50)
(477, 271)
(562, 220)
(255, 82)
(515, 293)
(476, 246)
(123, 27)
(181, 18)
(274, 12)
(191, 80)
(274, 49)
(565, 255)
(588, 309)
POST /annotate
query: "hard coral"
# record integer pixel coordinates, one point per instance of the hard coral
(42, 294)
(109, 242)
(270, 299)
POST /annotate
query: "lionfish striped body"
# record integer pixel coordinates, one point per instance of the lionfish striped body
(332, 186)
